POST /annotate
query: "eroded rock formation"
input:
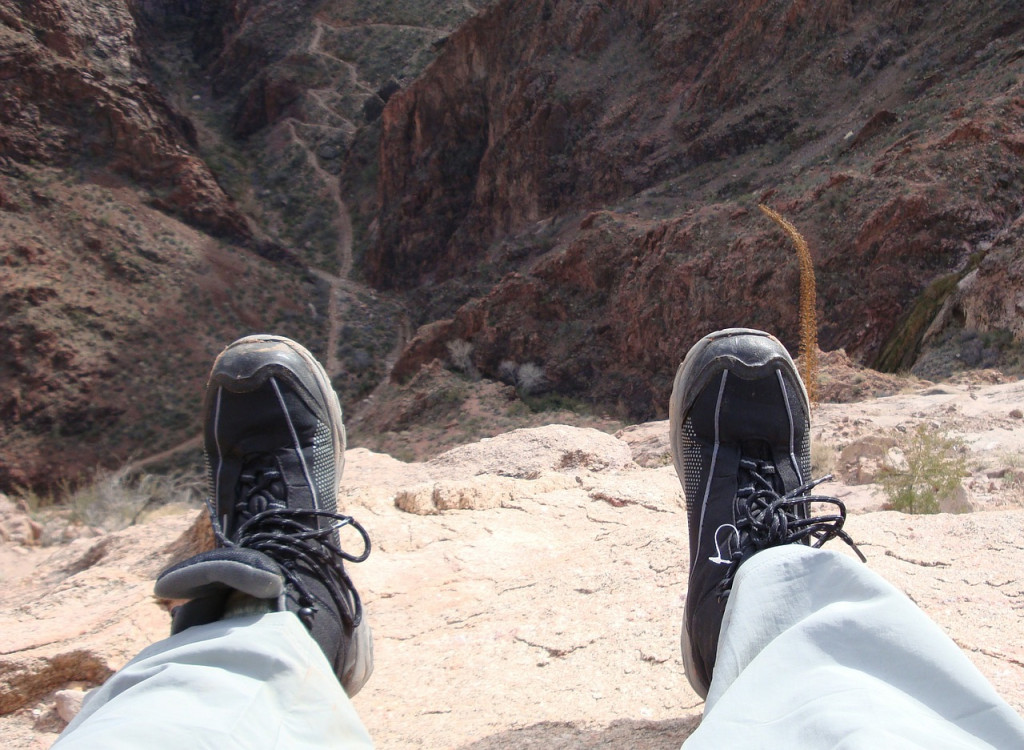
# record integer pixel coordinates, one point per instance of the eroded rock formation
(679, 120)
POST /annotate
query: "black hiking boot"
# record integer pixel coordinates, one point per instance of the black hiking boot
(740, 431)
(275, 450)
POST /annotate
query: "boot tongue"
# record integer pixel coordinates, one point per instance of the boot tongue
(759, 453)
(260, 486)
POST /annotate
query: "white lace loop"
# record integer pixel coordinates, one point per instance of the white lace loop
(718, 559)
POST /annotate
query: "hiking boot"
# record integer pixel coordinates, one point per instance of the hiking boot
(740, 431)
(275, 450)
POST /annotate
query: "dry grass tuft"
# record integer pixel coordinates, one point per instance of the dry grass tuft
(808, 304)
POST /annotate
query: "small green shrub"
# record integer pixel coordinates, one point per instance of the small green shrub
(930, 471)
(530, 379)
(823, 459)
(555, 402)
(460, 356)
(114, 499)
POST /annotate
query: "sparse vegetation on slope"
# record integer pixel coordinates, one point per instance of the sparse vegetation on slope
(926, 472)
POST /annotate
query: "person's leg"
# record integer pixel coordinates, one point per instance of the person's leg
(271, 640)
(793, 646)
(818, 651)
(256, 681)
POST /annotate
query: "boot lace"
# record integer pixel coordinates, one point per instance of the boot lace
(296, 538)
(764, 519)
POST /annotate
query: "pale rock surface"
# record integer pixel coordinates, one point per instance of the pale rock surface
(481, 492)
(549, 614)
(528, 452)
(69, 703)
(648, 443)
(16, 526)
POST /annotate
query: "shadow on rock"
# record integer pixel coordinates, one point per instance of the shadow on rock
(562, 735)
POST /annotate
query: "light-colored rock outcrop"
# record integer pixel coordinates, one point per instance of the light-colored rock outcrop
(542, 608)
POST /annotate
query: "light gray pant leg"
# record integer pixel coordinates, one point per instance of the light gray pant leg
(249, 682)
(818, 651)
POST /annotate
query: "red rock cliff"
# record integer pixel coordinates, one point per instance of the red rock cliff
(679, 118)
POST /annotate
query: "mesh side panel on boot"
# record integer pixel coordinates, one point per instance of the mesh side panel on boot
(324, 468)
(210, 488)
(692, 461)
(805, 456)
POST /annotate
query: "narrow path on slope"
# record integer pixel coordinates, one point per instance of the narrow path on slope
(343, 225)
(192, 443)
(343, 289)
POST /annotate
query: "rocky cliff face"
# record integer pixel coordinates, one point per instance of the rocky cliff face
(76, 90)
(897, 157)
(566, 185)
(169, 182)
(109, 241)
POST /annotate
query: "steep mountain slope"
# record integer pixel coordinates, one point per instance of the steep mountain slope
(169, 182)
(567, 185)
(607, 157)
(126, 265)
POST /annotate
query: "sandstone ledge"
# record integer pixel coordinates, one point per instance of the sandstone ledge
(549, 616)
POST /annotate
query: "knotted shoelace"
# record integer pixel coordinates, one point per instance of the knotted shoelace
(767, 519)
(295, 538)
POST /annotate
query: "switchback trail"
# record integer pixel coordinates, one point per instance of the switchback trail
(343, 290)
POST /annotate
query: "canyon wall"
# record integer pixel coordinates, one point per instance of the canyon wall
(609, 160)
